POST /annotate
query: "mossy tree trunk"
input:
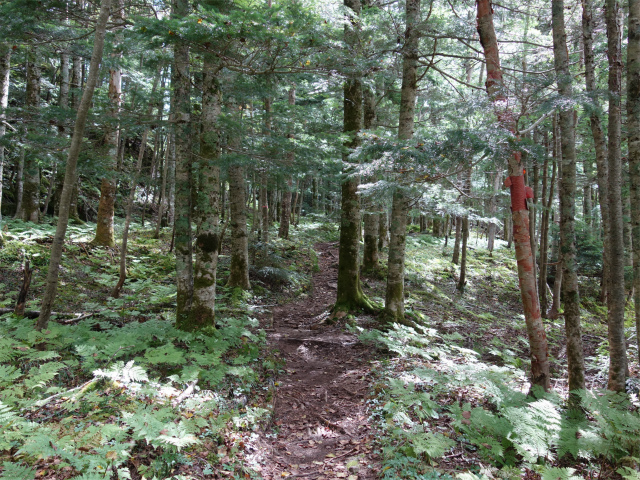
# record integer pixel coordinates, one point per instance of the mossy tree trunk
(394, 295)
(570, 289)
(371, 218)
(207, 214)
(349, 295)
(181, 83)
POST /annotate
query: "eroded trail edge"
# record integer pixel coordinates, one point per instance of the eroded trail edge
(320, 427)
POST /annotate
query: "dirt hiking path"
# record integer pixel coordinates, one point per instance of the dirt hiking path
(320, 427)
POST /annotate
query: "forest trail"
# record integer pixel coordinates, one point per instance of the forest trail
(320, 427)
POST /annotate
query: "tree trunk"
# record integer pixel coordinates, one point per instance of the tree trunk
(383, 232)
(239, 270)
(349, 295)
(491, 230)
(29, 201)
(598, 139)
(105, 235)
(544, 238)
(181, 83)
(568, 191)
(465, 235)
(616, 297)
(207, 216)
(285, 209)
(5, 69)
(526, 275)
(72, 161)
(633, 128)
(115, 293)
(394, 298)
(456, 244)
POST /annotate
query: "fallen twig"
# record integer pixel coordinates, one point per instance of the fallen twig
(43, 402)
(332, 425)
(36, 313)
(188, 391)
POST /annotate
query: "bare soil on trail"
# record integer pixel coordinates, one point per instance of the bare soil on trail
(320, 426)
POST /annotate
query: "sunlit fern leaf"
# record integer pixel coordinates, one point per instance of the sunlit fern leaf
(552, 473)
(17, 471)
(124, 373)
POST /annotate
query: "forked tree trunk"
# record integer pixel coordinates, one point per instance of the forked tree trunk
(72, 161)
(394, 297)
(570, 289)
(181, 83)
(528, 289)
(633, 128)
(616, 297)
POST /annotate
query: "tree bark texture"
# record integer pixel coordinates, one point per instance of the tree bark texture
(29, 210)
(239, 270)
(394, 297)
(72, 161)
(105, 235)
(349, 295)
(616, 297)
(456, 243)
(181, 82)
(5, 68)
(633, 129)
(568, 191)
(207, 214)
(598, 139)
(495, 88)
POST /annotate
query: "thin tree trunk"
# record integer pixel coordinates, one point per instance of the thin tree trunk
(616, 297)
(163, 195)
(239, 269)
(491, 230)
(598, 140)
(383, 232)
(465, 236)
(5, 69)
(115, 293)
(633, 128)
(70, 174)
(29, 201)
(285, 208)
(526, 275)
(394, 297)
(456, 244)
(105, 234)
(568, 191)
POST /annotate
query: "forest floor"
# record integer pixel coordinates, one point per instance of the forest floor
(320, 414)
(278, 389)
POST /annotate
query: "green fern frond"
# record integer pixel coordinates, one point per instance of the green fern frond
(552, 473)
(16, 471)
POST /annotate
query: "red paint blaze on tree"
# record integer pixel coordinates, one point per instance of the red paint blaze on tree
(519, 194)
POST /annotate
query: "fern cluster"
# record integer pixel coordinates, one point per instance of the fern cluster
(128, 379)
